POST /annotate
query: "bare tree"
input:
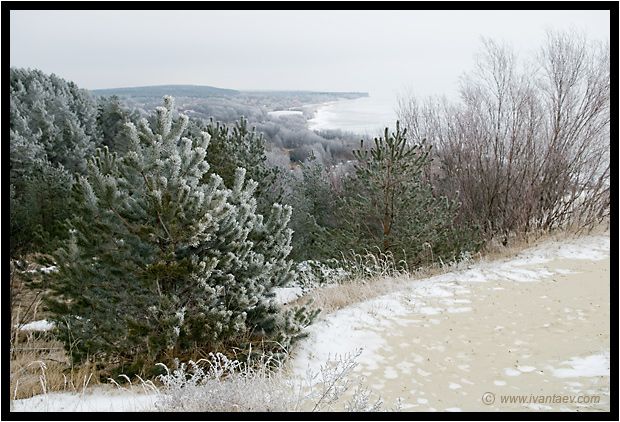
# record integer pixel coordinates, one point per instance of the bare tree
(527, 145)
(575, 80)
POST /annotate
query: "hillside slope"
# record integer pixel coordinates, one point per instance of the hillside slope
(533, 328)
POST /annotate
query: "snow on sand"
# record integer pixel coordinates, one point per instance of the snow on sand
(534, 325)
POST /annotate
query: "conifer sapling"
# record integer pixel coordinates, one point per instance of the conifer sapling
(163, 258)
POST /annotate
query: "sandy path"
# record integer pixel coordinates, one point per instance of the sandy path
(532, 328)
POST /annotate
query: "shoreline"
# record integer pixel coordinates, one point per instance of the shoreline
(315, 108)
(365, 116)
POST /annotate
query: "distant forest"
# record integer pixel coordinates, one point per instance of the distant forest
(287, 137)
(202, 91)
(56, 126)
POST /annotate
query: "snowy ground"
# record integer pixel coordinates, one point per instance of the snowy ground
(532, 326)
(96, 399)
(536, 326)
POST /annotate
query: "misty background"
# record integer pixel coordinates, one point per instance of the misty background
(375, 51)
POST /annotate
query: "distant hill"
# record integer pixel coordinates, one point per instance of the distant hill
(200, 91)
(197, 91)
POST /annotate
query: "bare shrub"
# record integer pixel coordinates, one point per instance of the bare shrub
(223, 385)
(527, 146)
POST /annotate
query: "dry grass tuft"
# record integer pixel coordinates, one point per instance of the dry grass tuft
(40, 366)
(38, 362)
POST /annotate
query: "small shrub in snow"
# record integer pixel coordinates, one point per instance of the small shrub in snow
(312, 274)
(219, 384)
(223, 385)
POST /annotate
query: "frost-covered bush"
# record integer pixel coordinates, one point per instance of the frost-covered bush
(527, 143)
(354, 267)
(312, 274)
(165, 259)
(224, 385)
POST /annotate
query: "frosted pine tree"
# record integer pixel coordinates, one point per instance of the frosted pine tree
(388, 207)
(52, 128)
(240, 146)
(164, 259)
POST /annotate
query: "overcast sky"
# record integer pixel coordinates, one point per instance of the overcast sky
(371, 51)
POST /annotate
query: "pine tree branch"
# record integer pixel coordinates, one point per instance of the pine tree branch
(146, 182)
(118, 250)
(122, 219)
(174, 242)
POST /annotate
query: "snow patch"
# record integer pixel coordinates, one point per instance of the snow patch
(512, 372)
(41, 325)
(457, 310)
(287, 294)
(96, 399)
(590, 366)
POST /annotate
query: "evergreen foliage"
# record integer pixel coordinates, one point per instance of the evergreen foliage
(164, 258)
(55, 116)
(387, 208)
(241, 147)
(38, 213)
(112, 115)
(52, 129)
(313, 213)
